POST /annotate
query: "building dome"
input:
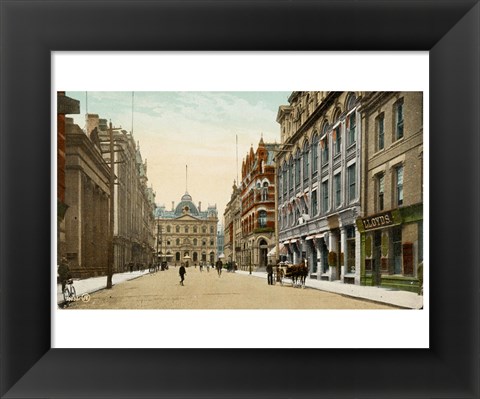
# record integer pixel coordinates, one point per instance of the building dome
(186, 206)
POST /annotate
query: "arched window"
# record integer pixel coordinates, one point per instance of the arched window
(262, 218)
(297, 167)
(324, 144)
(177, 256)
(265, 191)
(351, 122)
(177, 241)
(290, 175)
(306, 161)
(195, 241)
(315, 154)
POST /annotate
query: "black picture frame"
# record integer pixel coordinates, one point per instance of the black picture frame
(30, 30)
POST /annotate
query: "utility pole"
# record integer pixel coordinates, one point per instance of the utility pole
(112, 209)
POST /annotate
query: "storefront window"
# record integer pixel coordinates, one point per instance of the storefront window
(397, 250)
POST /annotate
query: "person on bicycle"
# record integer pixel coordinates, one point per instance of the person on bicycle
(64, 273)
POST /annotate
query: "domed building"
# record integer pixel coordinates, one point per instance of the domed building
(186, 234)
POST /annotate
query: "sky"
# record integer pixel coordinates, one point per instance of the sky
(189, 138)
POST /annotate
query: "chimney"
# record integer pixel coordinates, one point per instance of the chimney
(92, 121)
(173, 205)
(199, 206)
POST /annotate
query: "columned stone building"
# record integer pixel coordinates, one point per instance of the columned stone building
(87, 193)
(392, 221)
(319, 178)
(186, 234)
(258, 206)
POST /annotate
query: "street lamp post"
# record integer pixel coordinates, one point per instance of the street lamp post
(112, 209)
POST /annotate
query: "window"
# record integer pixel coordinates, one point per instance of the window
(177, 241)
(285, 184)
(337, 140)
(186, 229)
(306, 160)
(177, 229)
(265, 192)
(351, 126)
(352, 189)
(297, 169)
(380, 132)
(211, 230)
(325, 196)
(315, 155)
(290, 174)
(338, 189)
(195, 230)
(204, 229)
(211, 243)
(314, 203)
(397, 250)
(204, 242)
(399, 185)
(262, 218)
(380, 192)
(169, 229)
(195, 242)
(324, 145)
(399, 120)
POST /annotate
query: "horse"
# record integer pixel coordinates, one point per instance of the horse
(298, 274)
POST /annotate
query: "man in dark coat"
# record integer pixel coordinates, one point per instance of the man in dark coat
(182, 273)
(219, 266)
(270, 274)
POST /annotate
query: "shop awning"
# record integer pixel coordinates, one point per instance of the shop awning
(281, 248)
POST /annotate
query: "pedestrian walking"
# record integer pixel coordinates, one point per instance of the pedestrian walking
(219, 266)
(270, 274)
(182, 273)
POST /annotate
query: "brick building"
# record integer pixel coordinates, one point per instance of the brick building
(258, 206)
(392, 199)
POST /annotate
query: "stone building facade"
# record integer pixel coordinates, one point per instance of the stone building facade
(134, 201)
(186, 234)
(391, 225)
(233, 229)
(319, 183)
(350, 195)
(87, 193)
(257, 206)
(65, 106)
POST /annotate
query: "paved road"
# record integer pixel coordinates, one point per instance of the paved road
(206, 290)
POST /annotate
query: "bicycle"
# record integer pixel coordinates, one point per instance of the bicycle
(69, 292)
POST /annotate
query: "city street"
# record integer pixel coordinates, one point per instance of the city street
(206, 290)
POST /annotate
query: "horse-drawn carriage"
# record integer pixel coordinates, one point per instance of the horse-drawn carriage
(296, 273)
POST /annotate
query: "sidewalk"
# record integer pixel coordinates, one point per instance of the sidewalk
(403, 299)
(93, 284)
